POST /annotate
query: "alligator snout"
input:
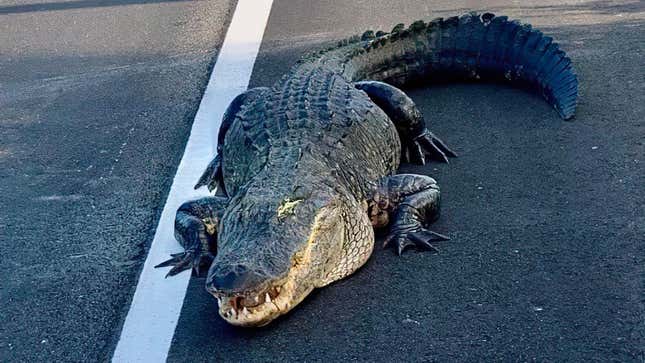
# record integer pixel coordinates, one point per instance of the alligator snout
(247, 297)
(235, 279)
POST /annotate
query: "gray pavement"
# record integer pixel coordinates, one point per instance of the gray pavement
(96, 102)
(546, 217)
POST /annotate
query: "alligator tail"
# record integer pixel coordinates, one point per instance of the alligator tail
(472, 47)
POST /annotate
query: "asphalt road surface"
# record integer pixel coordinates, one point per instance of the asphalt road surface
(547, 218)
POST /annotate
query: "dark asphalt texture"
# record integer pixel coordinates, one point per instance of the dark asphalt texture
(96, 102)
(546, 217)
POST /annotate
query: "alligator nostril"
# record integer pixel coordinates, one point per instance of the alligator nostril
(222, 282)
(234, 279)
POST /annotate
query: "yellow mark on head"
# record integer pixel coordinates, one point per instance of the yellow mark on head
(287, 206)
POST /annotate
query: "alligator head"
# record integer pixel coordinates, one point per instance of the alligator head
(272, 252)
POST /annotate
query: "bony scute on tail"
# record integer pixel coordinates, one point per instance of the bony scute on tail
(306, 169)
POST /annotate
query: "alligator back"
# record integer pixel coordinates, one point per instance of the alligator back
(312, 127)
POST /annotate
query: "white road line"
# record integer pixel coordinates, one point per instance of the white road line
(150, 324)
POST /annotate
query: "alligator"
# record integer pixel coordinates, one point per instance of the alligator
(305, 170)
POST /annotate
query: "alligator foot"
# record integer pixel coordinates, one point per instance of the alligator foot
(417, 141)
(420, 238)
(410, 203)
(187, 260)
(212, 176)
(196, 227)
(428, 143)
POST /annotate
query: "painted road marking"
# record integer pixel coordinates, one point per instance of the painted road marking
(150, 324)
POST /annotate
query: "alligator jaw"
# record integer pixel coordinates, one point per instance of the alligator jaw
(260, 308)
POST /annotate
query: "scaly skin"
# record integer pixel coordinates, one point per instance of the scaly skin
(305, 169)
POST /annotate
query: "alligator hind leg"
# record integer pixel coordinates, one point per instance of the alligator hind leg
(212, 177)
(408, 203)
(196, 226)
(417, 141)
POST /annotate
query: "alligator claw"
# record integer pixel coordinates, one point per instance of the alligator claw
(185, 261)
(212, 177)
(428, 144)
(419, 238)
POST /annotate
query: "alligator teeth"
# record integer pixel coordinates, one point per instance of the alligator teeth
(245, 311)
(257, 298)
(277, 289)
(267, 298)
(232, 312)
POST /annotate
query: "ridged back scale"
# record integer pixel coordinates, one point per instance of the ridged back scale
(312, 128)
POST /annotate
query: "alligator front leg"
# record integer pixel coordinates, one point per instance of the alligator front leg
(408, 203)
(196, 225)
(416, 139)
